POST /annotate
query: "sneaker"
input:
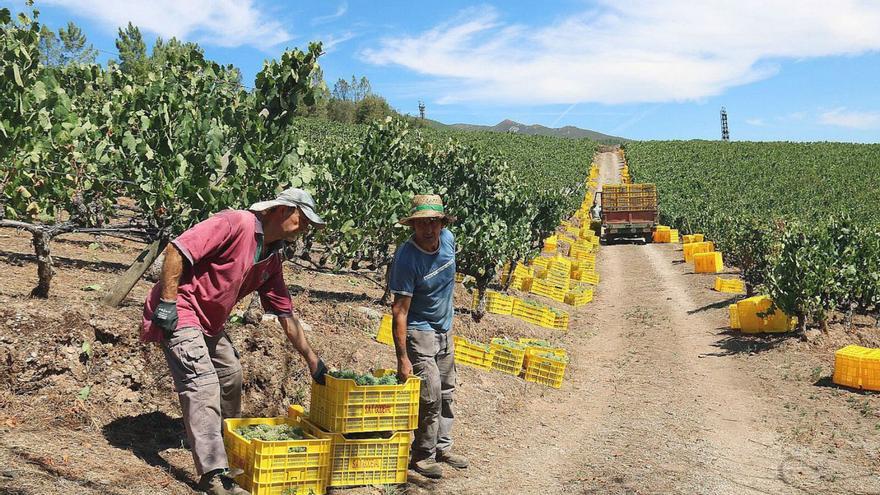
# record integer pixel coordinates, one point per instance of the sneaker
(427, 468)
(454, 460)
(219, 483)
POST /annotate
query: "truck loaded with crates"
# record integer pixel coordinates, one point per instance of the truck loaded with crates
(627, 211)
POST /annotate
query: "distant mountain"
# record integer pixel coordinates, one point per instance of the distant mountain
(508, 125)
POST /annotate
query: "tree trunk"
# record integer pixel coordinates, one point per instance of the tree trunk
(41, 240)
(386, 296)
(506, 286)
(480, 310)
(801, 324)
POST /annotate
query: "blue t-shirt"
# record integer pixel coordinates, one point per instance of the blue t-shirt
(429, 279)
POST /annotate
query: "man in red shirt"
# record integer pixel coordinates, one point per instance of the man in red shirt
(206, 271)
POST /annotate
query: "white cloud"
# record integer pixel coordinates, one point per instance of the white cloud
(330, 41)
(756, 122)
(629, 51)
(227, 23)
(842, 117)
(340, 11)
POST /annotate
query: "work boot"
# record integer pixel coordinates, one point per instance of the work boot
(454, 460)
(427, 468)
(218, 482)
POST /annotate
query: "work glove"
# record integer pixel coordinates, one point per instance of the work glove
(165, 317)
(319, 373)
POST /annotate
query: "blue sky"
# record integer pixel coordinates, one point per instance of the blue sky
(803, 70)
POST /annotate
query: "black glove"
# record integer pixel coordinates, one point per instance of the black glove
(319, 373)
(165, 317)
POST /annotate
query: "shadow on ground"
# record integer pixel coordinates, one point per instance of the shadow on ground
(146, 436)
(828, 382)
(734, 342)
(716, 305)
(330, 296)
(21, 259)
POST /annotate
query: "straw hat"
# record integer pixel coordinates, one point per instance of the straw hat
(426, 206)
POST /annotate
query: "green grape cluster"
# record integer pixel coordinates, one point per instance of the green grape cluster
(270, 433)
(365, 379)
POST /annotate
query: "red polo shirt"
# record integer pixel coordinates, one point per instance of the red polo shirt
(220, 272)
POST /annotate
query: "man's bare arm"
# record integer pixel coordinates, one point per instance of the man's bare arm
(399, 311)
(297, 337)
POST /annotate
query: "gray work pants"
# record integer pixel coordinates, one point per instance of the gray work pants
(431, 355)
(207, 378)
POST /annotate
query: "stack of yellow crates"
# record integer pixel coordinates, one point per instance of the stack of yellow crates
(369, 428)
(542, 363)
(692, 248)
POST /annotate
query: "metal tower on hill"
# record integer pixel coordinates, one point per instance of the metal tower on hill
(725, 133)
(422, 109)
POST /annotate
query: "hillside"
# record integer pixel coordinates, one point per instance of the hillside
(508, 125)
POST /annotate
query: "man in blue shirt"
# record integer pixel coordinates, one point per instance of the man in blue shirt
(422, 281)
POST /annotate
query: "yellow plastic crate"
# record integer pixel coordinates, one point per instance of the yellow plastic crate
(550, 244)
(690, 238)
(507, 357)
(555, 319)
(544, 288)
(690, 249)
(276, 468)
(673, 236)
(748, 310)
(708, 262)
(342, 406)
(379, 460)
(540, 345)
(384, 335)
(529, 311)
(496, 302)
(734, 317)
(661, 234)
(857, 367)
(730, 285)
(544, 370)
(870, 370)
(578, 266)
(579, 297)
(471, 353)
(591, 278)
(521, 283)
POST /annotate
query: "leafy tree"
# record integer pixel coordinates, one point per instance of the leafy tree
(69, 46)
(342, 90)
(132, 51)
(371, 108)
(342, 111)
